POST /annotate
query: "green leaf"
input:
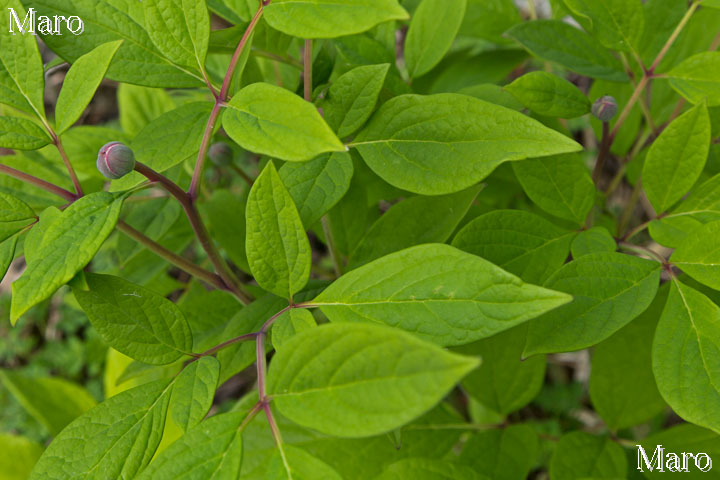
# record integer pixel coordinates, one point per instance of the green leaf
(226, 215)
(17, 456)
(14, 215)
(608, 289)
(432, 31)
(7, 255)
(520, 242)
(277, 247)
(560, 185)
(168, 140)
(413, 221)
(300, 466)
(593, 240)
(622, 386)
(504, 382)
(550, 95)
(139, 106)
(68, 243)
(316, 186)
(699, 254)
(685, 358)
(180, 29)
(502, 454)
(618, 24)
(355, 380)
(116, 439)
(437, 292)
(137, 61)
(435, 144)
(572, 48)
(352, 98)
(329, 18)
(194, 392)
(698, 78)
(211, 450)
(21, 134)
(676, 159)
(81, 82)
(581, 455)
(53, 402)
(428, 469)
(270, 120)
(290, 324)
(21, 59)
(489, 19)
(134, 320)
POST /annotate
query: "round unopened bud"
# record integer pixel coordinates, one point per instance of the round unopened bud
(604, 108)
(220, 154)
(115, 160)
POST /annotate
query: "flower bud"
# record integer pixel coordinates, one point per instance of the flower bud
(604, 108)
(220, 154)
(115, 160)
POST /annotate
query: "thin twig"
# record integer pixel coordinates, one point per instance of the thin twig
(38, 182)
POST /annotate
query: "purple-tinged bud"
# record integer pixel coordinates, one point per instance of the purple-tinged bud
(115, 160)
(220, 154)
(604, 108)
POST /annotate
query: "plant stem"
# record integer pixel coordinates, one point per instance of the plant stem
(307, 70)
(643, 251)
(50, 187)
(602, 152)
(242, 174)
(673, 36)
(286, 59)
(628, 107)
(261, 362)
(201, 232)
(180, 262)
(629, 207)
(76, 183)
(277, 436)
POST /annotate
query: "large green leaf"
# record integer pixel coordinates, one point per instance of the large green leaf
(278, 250)
(559, 42)
(53, 402)
(699, 254)
(685, 360)
(582, 455)
(698, 78)
(445, 143)
(270, 120)
(432, 31)
(316, 186)
(355, 380)
(330, 18)
(550, 95)
(134, 320)
(180, 29)
(560, 185)
(17, 456)
(116, 439)
(502, 454)
(592, 240)
(69, 241)
(413, 221)
(194, 392)
(211, 450)
(676, 159)
(21, 134)
(609, 290)
(428, 469)
(437, 292)
(80, 83)
(520, 242)
(618, 24)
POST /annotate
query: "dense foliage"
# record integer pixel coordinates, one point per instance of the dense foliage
(359, 239)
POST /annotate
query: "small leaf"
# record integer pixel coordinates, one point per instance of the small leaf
(502, 454)
(685, 356)
(608, 289)
(618, 24)
(290, 324)
(300, 466)
(316, 186)
(194, 392)
(17, 456)
(81, 82)
(134, 320)
(352, 98)
(560, 185)
(428, 469)
(676, 158)
(572, 48)
(432, 31)
(582, 455)
(68, 242)
(435, 144)
(14, 215)
(180, 29)
(270, 120)
(550, 95)
(355, 380)
(328, 18)
(21, 134)
(697, 78)
(7, 255)
(277, 247)
(699, 255)
(437, 292)
(593, 240)
(116, 439)
(53, 402)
